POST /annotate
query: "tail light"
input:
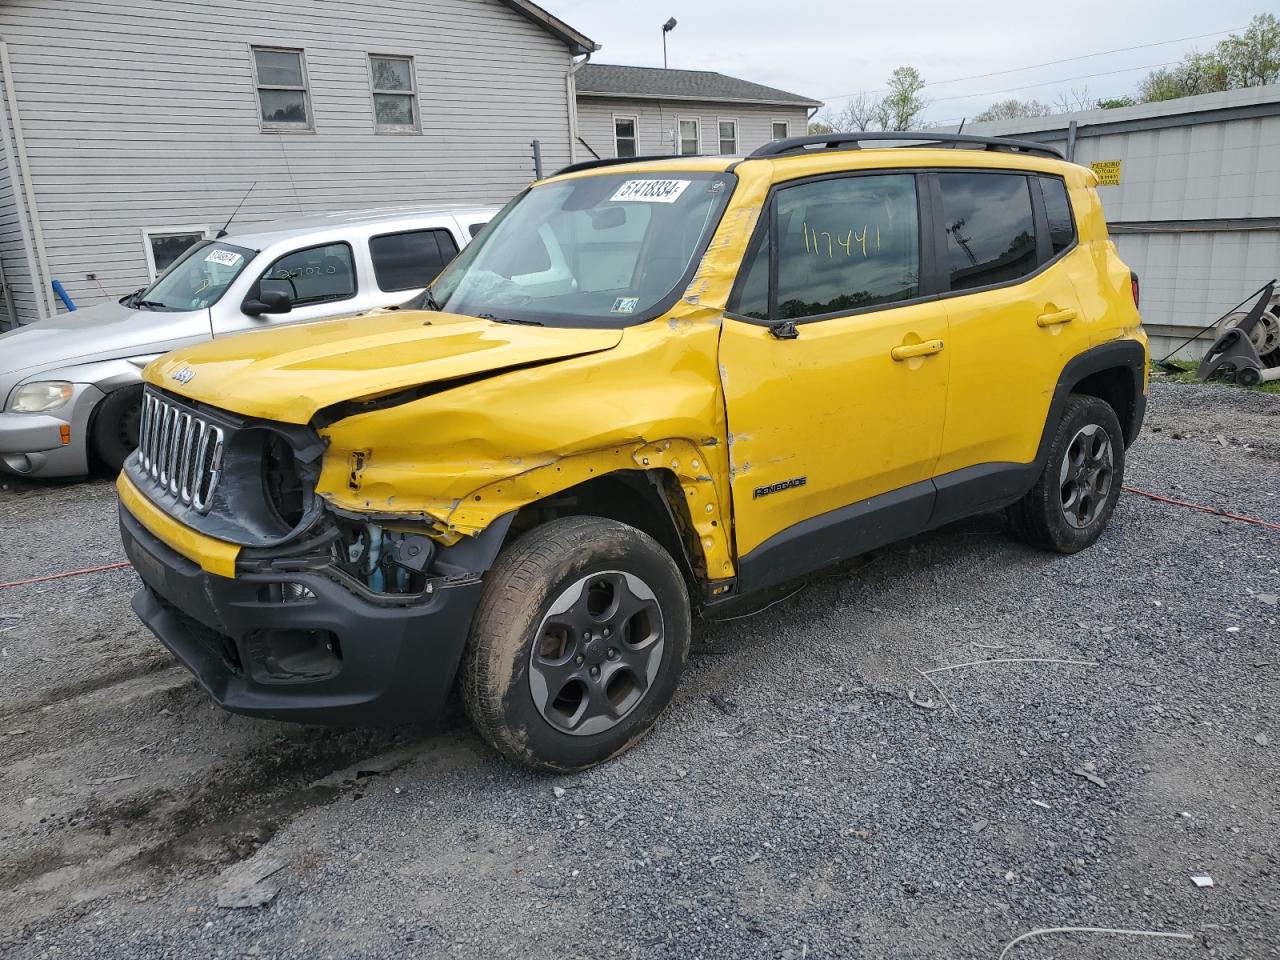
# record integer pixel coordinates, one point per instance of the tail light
(1134, 287)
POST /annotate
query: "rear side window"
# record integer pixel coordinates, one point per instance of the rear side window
(314, 275)
(1057, 208)
(842, 244)
(410, 260)
(991, 234)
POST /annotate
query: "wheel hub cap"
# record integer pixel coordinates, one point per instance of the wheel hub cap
(1086, 475)
(596, 653)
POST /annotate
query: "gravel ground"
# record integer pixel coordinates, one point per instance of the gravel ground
(796, 802)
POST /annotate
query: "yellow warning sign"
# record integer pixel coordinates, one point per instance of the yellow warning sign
(1108, 172)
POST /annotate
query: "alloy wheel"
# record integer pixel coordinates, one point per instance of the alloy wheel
(596, 652)
(1086, 475)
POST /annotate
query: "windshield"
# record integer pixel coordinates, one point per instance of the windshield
(605, 250)
(197, 279)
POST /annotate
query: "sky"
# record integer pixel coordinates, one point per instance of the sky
(829, 49)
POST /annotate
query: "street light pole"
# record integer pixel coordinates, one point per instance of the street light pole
(666, 28)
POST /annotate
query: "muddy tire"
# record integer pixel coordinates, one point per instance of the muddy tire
(114, 432)
(1069, 506)
(578, 644)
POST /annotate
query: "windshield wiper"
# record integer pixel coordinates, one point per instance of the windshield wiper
(149, 304)
(523, 323)
(429, 300)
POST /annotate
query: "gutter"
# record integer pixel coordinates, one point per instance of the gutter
(19, 173)
(571, 90)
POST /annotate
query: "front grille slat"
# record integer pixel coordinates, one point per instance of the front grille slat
(180, 452)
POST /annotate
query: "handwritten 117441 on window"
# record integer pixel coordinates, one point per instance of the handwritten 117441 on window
(814, 244)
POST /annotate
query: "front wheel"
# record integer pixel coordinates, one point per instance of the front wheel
(1069, 506)
(578, 643)
(115, 427)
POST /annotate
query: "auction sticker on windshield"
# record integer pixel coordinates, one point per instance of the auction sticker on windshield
(650, 191)
(228, 258)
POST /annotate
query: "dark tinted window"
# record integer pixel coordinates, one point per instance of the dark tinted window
(991, 236)
(753, 299)
(1057, 208)
(314, 275)
(475, 228)
(847, 243)
(408, 261)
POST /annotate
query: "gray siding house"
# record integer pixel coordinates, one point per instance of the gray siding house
(642, 111)
(132, 129)
(1191, 192)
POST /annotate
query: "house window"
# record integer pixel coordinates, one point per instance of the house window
(164, 246)
(283, 98)
(781, 129)
(395, 94)
(728, 136)
(624, 136)
(690, 138)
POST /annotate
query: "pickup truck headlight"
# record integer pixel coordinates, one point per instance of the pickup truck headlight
(41, 397)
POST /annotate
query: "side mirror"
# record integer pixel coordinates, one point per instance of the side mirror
(268, 301)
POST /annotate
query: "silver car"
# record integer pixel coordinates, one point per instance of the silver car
(71, 384)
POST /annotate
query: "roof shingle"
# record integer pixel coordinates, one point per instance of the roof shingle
(603, 79)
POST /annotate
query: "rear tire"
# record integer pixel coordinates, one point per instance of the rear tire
(578, 644)
(1069, 506)
(114, 432)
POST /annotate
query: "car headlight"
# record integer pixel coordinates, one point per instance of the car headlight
(39, 397)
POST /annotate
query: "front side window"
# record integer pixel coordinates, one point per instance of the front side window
(1057, 208)
(781, 129)
(281, 78)
(842, 245)
(604, 250)
(196, 279)
(164, 247)
(991, 234)
(410, 260)
(624, 136)
(690, 138)
(314, 275)
(395, 94)
(729, 136)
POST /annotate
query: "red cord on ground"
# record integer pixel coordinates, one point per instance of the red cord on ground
(1203, 509)
(69, 573)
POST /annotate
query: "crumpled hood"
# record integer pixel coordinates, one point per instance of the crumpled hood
(290, 373)
(104, 331)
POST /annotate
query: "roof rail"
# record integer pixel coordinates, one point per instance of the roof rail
(609, 162)
(854, 141)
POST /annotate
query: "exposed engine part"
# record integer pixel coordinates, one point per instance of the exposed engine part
(385, 561)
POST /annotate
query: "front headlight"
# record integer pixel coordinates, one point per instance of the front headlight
(39, 397)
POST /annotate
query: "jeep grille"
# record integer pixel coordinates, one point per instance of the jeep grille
(180, 452)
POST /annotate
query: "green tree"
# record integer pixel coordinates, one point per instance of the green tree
(818, 125)
(1252, 59)
(902, 105)
(1012, 109)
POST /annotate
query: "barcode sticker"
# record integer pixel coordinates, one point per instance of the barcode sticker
(650, 191)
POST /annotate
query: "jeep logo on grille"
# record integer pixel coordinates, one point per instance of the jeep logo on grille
(184, 375)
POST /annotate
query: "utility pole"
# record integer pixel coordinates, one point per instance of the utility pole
(666, 28)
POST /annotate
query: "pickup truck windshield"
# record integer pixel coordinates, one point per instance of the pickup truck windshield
(197, 279)
(607, 250)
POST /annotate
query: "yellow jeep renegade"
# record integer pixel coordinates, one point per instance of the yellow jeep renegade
(647, 388)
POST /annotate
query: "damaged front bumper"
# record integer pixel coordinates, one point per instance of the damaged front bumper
(294, 642)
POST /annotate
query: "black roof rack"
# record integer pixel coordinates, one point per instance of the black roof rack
(609, 162)
(854, 141)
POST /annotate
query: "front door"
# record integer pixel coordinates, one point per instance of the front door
(835, 377)
(320, 281)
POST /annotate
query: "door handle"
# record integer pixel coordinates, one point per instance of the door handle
(923, 349)
(1051, 319)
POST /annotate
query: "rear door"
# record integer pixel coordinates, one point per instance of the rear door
(1012, 310)
(405, 261)
(834, 375)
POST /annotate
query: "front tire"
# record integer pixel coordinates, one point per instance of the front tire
(115, 427)
(578, 644)
(1069, 506)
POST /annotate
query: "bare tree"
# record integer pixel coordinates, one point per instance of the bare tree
(1076, 99)
(857, 116)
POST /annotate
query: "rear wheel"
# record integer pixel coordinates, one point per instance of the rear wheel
(1069, 506)
(578, 643)
(114, 432)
